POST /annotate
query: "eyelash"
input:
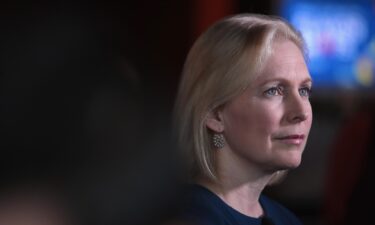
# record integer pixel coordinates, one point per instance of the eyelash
(273, 91)
(276, 91)
(307, 90)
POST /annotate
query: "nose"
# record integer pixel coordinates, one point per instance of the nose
(298, 108)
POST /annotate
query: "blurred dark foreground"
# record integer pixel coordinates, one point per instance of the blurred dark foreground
(85, 131)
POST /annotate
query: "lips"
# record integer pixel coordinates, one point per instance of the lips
(294, 139)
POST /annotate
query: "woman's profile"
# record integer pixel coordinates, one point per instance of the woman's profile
(243, 117)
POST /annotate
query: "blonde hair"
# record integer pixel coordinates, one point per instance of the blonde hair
(220, 65)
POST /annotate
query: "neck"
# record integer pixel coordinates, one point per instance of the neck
(239, 190)
(244, 199)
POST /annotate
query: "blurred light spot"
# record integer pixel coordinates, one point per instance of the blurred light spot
(364, 72)
(372, 47)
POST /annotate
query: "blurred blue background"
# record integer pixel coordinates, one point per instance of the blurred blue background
(340, 37)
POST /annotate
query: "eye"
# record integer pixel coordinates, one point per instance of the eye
(273, 91)
(305, 91)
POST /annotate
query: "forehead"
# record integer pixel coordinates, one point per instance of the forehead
(285, 61)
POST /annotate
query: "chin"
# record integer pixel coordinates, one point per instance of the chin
(292, 166)
(284, 164)
(291, 162)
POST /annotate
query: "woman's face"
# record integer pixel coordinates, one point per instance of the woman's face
(268, 125)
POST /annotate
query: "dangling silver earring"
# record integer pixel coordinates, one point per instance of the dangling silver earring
(218, 140)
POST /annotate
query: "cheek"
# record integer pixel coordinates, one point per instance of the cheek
(309, 123)
(254, 120)
(268, 118)
(238, 122)
(310, 118)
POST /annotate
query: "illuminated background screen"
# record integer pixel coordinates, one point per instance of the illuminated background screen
(340, 40)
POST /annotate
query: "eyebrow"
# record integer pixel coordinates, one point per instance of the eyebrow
(281, 79)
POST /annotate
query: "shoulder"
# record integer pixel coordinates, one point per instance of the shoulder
(201, 207)
(277, 212)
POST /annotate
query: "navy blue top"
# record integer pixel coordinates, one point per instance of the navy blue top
(203, 207)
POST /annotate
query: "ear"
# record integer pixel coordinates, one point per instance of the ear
(214, 121)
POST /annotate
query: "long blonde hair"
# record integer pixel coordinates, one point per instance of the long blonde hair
(220, 65)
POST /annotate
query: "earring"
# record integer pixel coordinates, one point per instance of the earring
(218, 140)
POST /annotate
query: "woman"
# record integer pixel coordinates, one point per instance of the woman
(243, 116)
